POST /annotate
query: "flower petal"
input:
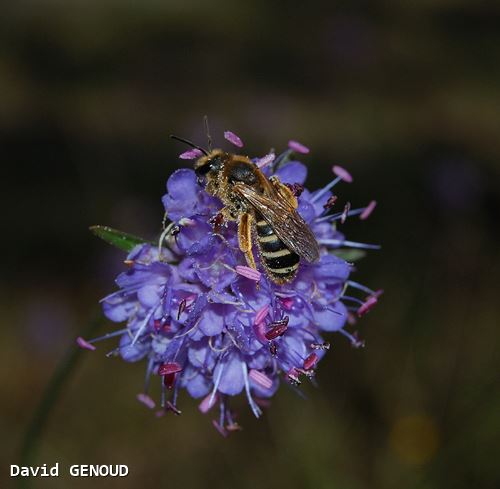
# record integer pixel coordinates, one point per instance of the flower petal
(133, 353)
(212, 320)
(330, 318)
(292, 172)
(183, 194)
(232, 380)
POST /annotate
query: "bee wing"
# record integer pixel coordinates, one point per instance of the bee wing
(285, 221)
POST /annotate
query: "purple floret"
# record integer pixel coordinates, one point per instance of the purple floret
(206, 323)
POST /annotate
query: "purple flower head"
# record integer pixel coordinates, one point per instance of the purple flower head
(207, 323)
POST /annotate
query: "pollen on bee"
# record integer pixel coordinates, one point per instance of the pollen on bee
(296, 188)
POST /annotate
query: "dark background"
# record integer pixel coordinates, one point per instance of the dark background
(403, 94)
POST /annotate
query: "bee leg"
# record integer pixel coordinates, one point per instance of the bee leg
(284, 191)
(245, 238)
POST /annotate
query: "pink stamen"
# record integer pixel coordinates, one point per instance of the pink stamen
(367, 305)
(260, 378)
(84, 344)
(298, 147)
(248, 272)
(260, 331)
(278, 329)
(265, 160)
(190, 154)
(287, 303)
(208, 403)
(219, 428)
(310, 361)
(342, 173)
(261, 314)
(146, 400)
(368, 210)
(263, 403)
(233, 139)
(169, 368)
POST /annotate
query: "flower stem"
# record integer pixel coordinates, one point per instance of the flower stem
(63, 372)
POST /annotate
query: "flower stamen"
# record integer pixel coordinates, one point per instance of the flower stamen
(248, 272)
(146, 400)
(278, 328)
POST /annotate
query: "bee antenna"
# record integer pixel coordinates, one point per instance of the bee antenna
(189, 143)
(209, 138)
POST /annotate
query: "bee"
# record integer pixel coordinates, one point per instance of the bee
(265, 210)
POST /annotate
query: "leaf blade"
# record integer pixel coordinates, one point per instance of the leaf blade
(349, 254)
(119, 239)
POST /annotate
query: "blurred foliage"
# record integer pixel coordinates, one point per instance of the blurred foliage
(403, 94)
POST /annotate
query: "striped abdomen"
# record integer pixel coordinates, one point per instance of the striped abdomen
(281, 264)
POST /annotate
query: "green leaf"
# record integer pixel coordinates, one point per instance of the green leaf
(121, 240)
(350, 254)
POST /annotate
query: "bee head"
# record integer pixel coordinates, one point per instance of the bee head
(211, 163)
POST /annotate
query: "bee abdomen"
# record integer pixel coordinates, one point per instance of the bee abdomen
(280, 263)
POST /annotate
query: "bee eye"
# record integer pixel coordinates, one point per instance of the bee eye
(213, 164)
(203, 170)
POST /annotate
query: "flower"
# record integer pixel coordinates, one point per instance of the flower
(205, 322)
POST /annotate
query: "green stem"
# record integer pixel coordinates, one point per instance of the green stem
(51, 395)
